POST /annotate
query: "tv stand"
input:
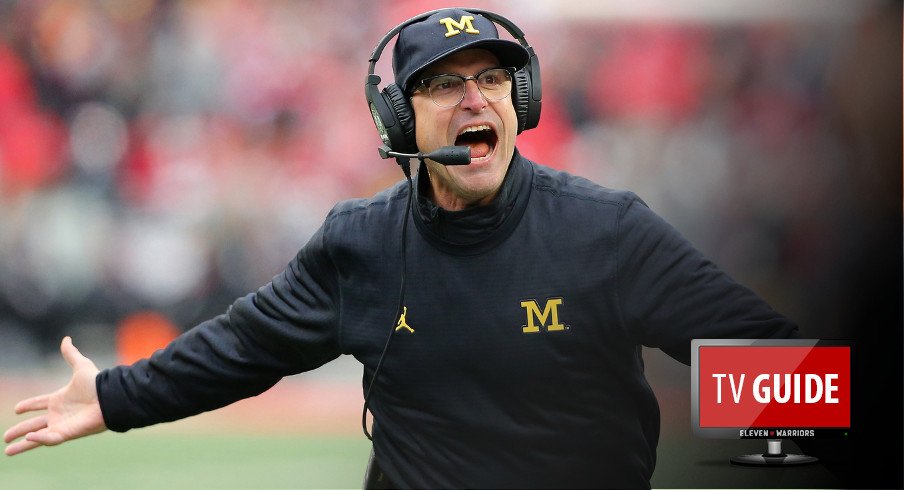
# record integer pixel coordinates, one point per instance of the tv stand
(774, 456)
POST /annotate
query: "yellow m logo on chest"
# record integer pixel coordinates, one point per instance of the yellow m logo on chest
(549, 313)
(453, 28)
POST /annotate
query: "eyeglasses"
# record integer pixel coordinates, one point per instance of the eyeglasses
(448, 89)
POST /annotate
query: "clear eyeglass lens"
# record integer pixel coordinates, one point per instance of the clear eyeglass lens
(448, 90)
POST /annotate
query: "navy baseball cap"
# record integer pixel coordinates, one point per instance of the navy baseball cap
(443, 33)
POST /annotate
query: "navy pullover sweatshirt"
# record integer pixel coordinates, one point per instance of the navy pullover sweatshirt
(521, 366)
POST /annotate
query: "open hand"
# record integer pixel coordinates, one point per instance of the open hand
(73, 411)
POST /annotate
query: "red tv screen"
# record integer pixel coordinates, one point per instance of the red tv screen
(771, 388)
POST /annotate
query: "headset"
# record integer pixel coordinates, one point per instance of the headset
(392, 112)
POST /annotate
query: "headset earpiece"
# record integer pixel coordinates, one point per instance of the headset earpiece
(403, 139)
(521, 97)
(392, 115)
(529, 94)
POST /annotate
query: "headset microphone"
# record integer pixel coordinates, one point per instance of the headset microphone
(447, 155)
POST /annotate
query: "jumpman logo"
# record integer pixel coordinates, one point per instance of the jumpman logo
(402, 322)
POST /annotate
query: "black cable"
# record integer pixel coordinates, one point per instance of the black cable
(406, 168)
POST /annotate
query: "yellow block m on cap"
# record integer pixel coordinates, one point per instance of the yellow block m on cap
(454, 28)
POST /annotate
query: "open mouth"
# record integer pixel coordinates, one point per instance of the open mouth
(481, 139)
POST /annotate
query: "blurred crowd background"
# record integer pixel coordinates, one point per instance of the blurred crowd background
(160, 158)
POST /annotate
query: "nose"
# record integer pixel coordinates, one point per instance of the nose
(473, 99)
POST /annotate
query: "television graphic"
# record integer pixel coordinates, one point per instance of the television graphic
(771, 389)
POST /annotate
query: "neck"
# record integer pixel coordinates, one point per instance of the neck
(446, 193)
(451, 201)
(478, 227)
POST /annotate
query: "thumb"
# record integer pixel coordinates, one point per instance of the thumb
(72, 355)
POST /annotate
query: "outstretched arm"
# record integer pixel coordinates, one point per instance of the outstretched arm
(673, 294)
(288, 326)
(72, 411)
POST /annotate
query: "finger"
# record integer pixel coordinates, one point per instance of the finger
(39, 402)
(70, 353)
(24, 427)
(46, 437)
(20, 447)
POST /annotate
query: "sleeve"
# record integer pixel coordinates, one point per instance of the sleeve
(286, 327)
(670, 293)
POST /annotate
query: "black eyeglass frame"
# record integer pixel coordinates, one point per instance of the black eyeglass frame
(421, 84)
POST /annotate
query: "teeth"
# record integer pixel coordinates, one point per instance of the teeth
(474, 129)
